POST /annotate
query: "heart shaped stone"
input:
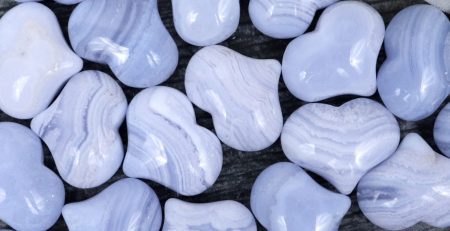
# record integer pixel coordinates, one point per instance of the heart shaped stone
(128, 204)
(204, 23)
(35, 60)
(214, 216)
(413, 81)
(66, 2)
(167, 146)
(127, 35)
(81, 129)
(411, 186)
(441, 130)
(284, 18)
(31, 195)
(340, 143)
(284, 197)
(339, 57)
(240, 93)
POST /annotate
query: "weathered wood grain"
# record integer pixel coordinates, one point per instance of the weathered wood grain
(239, 168)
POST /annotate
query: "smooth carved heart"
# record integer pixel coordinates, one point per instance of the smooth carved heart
(413, 81)
(411, 186)
(35, 60)
(284, 197)
(81, 129)
(167, 146)
(128, 204)
(339, 57)
(284, 18)
(240, 93)
(340, 143)
(31, 195)
(128, 35)
(214, 216)
(204, 23)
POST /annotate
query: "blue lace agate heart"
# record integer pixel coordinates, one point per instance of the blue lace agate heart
(128, 35)
(339, 57)
(414, 79)
(31, 195)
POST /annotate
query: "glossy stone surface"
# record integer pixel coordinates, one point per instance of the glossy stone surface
(207, 22)
(347, 39)
(340, 143)
(240, 93)
(128, 36)
(166, 145)
(214, 216)
(128, 204)
(81, 129)
(441, 130)
(31, 195)
(35, 60)
(284, 198)
(411, 186)
(284, 18)
(413, 81)
(442, 4)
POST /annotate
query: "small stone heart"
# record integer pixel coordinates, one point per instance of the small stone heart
(128, 204)
(35, 60)
(166, 145)
(284, 18)
(128, 35)
(414, 80)
(339, 57)
(411, 186)
(214, 216)
(340, 143)
(240, 93)
(284, 198)
(31, 195)
(204, 23)
(81, 129)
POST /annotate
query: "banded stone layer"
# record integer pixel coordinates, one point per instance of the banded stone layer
(413, 81)
(128, 35)
(284, 197)
(128, 204)
(240, 93)
(284, 18)
(411, 186)
(214, 216)
(340, 143)
(81, 129)
(166, 145)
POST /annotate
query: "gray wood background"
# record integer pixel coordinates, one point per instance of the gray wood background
(239, 168)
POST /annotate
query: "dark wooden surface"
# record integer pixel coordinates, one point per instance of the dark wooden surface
(239, 168)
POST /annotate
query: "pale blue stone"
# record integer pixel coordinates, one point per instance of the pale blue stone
(166, 145)
(204, 23)
(66, 2)
(241, 94)
(31, 195)
(285, 198)
(128, 204)
(339, 57)
(340, 143)
(128, 35)
(214, 216)
(81, 129)
(284, 18)
(411, 186)
(414, 79)
(442, 130)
